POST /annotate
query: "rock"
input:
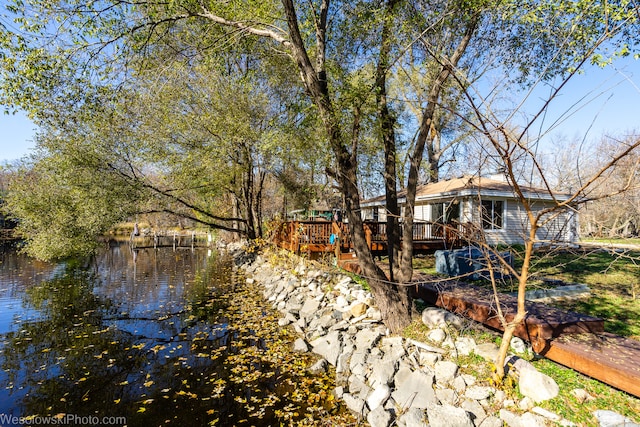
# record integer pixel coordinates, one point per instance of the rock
(300, 346)
(447, 396)
(429, 359)
(537, 386)
(319, 367)
(367, 338)
(328, 346)
(413, 417)
(518, 345)
(478, 392)
(488, 351)
(449, 416)
(546, 414)
(608, 418)
(354, 403)
(382, 372)
(526, 403)
(437, 335)
(582, 395)
(491, 421)
(445, 372)
(358, 309)
(379, 417)
(477, 411)
(434, 317)
(393, 348)
(526, 420)
(459, 384)
(426, 347)
(465, 346)
(309, 308)
(378, 396)
(414, 389)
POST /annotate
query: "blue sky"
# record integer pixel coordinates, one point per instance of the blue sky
(16, 136)
(615, 111)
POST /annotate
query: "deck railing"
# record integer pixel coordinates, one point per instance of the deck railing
(324, 235)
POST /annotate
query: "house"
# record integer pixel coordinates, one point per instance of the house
(488, 204)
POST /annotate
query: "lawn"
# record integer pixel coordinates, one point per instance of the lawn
(614, 280)
(613, 277)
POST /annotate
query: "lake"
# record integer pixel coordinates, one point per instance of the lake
(147, 337)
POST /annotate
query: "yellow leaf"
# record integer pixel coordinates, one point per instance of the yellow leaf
(116, 401)
(148, 383)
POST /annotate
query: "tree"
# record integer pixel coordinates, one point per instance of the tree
(340, 67)
(512, 147)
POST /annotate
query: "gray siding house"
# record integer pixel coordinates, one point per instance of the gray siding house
(490, 206)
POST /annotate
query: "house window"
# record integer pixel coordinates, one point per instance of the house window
(445, 213)
(492, 213)
(437, 213)
(452, 212)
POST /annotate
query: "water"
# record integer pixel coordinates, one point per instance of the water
(147, 337)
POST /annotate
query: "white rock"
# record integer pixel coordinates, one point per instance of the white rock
(449, 416)
(378, 396)
(518, 345)
(445, 371)
(608, 418)
(437, 335)
(379, 417)
(536, 385)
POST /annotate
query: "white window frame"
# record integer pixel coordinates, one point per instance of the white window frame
(492, 215)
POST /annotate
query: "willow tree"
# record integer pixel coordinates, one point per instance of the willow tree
(346, 55)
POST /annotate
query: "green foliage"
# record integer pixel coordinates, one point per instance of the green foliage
(61, 206)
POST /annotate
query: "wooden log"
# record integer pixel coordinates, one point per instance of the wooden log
(606, 357)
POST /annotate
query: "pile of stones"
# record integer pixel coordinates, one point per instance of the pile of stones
(391, 380)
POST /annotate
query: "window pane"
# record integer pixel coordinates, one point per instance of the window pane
(497, 214)
(437, 212)
(486, 210)
(453, 212)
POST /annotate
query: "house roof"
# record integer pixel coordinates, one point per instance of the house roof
(471, 186)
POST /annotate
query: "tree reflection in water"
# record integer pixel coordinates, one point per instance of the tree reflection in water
(171, 344)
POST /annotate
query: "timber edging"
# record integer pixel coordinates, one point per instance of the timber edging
(574, 340)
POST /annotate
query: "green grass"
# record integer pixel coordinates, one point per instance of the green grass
(614, 280)
(581, 413)
(613, 277)
(613, 240)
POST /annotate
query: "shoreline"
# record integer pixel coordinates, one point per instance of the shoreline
(391, 380)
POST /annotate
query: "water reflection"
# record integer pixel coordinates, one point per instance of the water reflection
(104, 340)
(159, 337)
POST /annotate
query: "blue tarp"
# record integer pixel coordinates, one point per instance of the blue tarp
(470, 262)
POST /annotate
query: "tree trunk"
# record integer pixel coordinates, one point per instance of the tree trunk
(387, 125)
(393, 302)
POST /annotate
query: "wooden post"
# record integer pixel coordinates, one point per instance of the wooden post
(368, 235)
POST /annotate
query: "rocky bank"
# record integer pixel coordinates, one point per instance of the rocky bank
(389, 380)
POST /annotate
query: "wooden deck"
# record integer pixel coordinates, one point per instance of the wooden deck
(316, 237)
